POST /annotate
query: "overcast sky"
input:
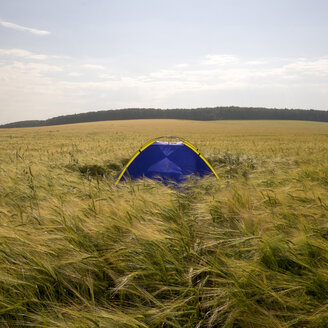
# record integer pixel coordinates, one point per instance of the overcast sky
(61, 57)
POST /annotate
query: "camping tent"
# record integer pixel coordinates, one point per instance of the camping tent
(166, 161)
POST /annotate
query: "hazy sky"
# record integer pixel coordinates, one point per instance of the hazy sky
(60, 57)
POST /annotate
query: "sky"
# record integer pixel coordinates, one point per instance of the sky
(62, 57)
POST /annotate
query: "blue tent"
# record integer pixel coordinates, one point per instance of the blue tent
(166, 161)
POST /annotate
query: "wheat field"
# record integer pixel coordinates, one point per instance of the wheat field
(248, 250)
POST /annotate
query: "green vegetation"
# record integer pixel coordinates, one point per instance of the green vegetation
(249, 250)
(197, 114)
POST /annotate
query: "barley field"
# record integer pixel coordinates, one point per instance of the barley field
(248, 250)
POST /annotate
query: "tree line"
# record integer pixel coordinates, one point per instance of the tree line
(198, 114)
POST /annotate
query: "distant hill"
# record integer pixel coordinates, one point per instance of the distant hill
(198, 114)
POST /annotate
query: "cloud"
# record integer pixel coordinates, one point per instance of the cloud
(23, 28)
(219, 60)
(91, 66)
(74, 74)
(107, 76)
(22, 53)
(184, 65)
(304, 66)
(46, 89)
(257, 62)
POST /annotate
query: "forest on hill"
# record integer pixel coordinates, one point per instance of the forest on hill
(198, 114)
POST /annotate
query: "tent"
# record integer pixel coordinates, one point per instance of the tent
(166, 161)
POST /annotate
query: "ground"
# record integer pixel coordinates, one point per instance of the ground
(247, 250)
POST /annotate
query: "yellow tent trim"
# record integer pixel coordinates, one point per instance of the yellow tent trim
(192, 147)
(147, 144)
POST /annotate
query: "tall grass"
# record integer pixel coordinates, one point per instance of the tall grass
(250, 250)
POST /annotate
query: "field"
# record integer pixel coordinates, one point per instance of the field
(249, 250)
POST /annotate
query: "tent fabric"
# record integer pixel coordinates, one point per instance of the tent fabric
(166, 161)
